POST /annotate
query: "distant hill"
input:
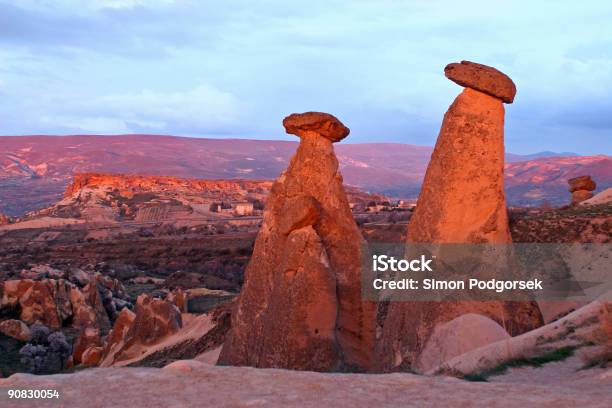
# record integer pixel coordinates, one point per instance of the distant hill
(35, 170)
(539, 155)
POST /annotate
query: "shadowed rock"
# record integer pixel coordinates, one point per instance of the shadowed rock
(89, 337)
(300, 305)
(87, 308)
(117, 337)
(482, 78)
(462, 201)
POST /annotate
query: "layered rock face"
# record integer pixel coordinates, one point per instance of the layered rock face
(300, 306)
(153, 320)
(59, 302)
(581, 188)
(116, 338)
(89, 338)
(462, 201)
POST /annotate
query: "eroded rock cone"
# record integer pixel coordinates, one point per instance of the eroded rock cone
(153, 320)
(462, 201)
(300, 305)
(117, 337)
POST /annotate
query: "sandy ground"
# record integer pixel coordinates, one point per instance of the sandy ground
(601, 198)
(43, 222)
(560, 372)
(192, 383)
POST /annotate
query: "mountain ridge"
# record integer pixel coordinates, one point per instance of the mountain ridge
(34, 170)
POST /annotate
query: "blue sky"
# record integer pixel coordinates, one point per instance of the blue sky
(236, 68)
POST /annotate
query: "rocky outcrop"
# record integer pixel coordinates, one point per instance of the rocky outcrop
(581, 188)
(153, 320)
(39, 272)
(300, 305)
(178, 297)
(57, 303)
(87, 308)
(574, 330)
(15, 329)
(92, 356)
(462, 334)
(462, 201)
(89, 337)
(116, 338)
(35, 301)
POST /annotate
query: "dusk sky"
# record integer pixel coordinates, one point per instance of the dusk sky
(236, 68)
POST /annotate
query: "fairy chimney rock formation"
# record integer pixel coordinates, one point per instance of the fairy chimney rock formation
(462, 201)
(300, 305)
(581, 188)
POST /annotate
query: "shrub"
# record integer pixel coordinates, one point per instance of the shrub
(47, 352)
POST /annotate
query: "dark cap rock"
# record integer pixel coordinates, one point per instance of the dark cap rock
(324, 124)
(581, 183)
(482, 78)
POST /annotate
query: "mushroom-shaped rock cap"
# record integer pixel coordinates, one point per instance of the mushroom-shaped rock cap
(482, 78)
(581, 183)
(324, 124)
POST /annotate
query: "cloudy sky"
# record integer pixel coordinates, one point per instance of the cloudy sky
(236, 68)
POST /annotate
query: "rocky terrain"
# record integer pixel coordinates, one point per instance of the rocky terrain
(462, 201)
(35, 170)
(194, 383)
(101, 323)
(143, 273)
(544, 181)
(300, 306)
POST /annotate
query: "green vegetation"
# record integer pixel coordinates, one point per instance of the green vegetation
(557, 355)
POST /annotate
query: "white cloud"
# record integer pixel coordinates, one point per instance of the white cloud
(79, 124)
(201, 107)
(194, 67)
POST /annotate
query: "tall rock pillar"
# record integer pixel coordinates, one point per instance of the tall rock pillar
(462, 201)
(300, 305)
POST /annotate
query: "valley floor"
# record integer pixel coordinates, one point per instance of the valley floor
(191, 383)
